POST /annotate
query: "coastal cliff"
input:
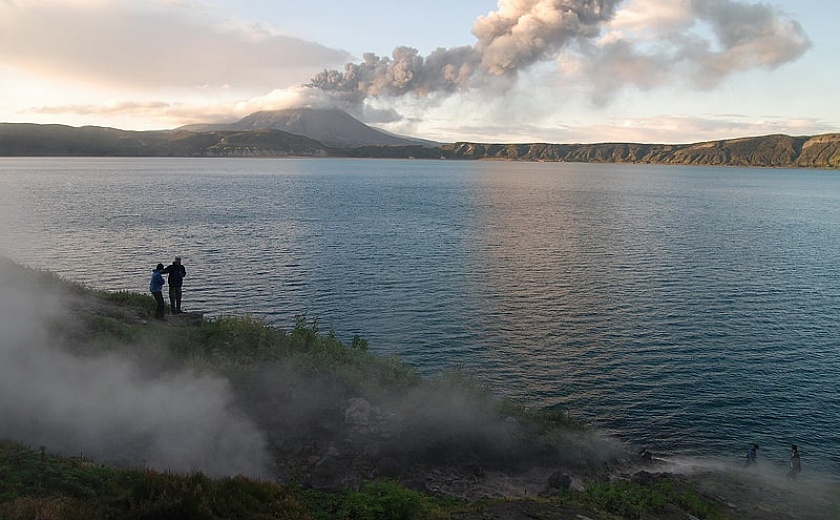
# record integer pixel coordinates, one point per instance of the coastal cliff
(780, 151)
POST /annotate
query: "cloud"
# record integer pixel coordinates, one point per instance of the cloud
(121, 107)
(151, 45)
(685, 129)
(524, 50)
(492, 125)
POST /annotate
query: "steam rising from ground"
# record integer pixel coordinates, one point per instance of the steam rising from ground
(761, 490)
(125, 412)
(646, 44)
(106, 408)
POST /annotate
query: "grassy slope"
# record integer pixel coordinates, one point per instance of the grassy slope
(37, 484)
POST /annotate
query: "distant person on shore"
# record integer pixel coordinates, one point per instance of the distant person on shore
(751, 455)
(176, 273)
(795, 462)
(156, 288)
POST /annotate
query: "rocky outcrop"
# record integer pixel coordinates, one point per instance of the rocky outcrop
(779, 151)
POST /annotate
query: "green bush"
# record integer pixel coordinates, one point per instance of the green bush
(245, 338)
(34, 484)
(140, 301)
(385, 500)
(623, 498)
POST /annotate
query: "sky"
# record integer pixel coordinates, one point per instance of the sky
(559, 71)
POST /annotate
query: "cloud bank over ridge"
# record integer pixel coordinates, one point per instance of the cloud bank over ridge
(524, 70)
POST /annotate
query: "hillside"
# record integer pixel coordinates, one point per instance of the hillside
(333, 133)
(780, 151)
(20, 139)
(231, 418)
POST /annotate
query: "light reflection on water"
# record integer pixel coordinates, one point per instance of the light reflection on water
(693, 310)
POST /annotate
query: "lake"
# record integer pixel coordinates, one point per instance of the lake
(690, 310)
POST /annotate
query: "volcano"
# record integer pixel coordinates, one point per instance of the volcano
(331, 127)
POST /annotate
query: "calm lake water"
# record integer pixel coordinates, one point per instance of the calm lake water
(690, 310)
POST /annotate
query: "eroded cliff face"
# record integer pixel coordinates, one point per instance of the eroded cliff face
(822, 151)
(780, 151)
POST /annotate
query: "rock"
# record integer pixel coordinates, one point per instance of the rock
(191, 319)
(326, 466)
(388, 467)
(358, 411)
(644, 478)
(559, 480)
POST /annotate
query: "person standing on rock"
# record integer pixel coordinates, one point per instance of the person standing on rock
(156, 288)
(795, 462)
(176, 273)
(751, 454)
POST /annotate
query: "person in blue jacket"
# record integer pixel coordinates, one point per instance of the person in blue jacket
(156, 288)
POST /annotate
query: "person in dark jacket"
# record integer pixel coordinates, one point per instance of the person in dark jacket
(176, 273)
(795, 462)
(156, 288)
(752, 453)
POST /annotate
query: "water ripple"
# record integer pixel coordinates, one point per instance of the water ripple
(690, 309)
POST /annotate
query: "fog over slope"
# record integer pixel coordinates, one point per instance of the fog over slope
(106, 407)
(134, 409)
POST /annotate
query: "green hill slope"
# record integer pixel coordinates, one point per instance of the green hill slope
(779, 151)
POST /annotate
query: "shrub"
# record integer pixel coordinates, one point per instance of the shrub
(385, 500)
(143, 302)
(624, 498)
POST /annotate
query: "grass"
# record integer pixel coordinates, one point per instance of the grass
(623, 498)
(36, 484)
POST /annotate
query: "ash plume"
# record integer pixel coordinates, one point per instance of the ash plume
(734, 37)
(705, 40)
(517, 35)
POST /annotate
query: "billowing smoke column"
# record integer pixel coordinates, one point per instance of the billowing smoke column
(521, 33)
(444, 70)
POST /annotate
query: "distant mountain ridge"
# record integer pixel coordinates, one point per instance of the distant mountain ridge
(249, 138)
(330, 126)
(24, 139)
(781, 151)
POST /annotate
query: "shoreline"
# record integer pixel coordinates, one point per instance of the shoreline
(346, 436)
